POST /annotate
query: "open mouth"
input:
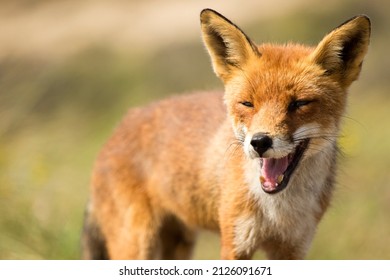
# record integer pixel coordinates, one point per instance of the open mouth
(276, 172)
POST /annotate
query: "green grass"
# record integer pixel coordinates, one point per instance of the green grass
(56, 115)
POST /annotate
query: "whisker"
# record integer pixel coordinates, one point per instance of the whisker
(233, 147)
(326, 137)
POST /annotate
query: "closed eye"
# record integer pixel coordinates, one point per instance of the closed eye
(297, 104)
(247, 104)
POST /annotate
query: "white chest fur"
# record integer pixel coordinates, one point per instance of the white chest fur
(290, 214)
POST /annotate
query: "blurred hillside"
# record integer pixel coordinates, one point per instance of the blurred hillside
(70, 70)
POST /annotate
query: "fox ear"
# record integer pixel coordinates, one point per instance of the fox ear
(341, 52)
(228, 46)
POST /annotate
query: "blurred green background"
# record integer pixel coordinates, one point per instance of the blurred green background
(69, 70)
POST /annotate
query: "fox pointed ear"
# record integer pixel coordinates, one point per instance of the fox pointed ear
(228, 46)
(341, 52)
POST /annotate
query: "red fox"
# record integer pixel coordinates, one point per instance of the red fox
(257, 163)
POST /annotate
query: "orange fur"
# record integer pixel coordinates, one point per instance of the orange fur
(189, 162)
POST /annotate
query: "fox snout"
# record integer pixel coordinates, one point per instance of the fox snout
(265, 145)
(261, 142)
(278, 156)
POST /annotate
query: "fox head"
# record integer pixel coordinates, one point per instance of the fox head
(285, 102)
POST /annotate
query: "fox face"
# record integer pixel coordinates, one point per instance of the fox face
(285, 102)
(292, 112)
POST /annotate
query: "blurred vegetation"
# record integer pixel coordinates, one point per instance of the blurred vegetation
(56, 115)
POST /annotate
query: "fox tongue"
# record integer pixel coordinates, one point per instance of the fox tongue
(271, 171)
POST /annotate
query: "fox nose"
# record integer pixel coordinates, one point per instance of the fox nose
(261, 143)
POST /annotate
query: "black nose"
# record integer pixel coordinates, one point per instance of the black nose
(261, 143)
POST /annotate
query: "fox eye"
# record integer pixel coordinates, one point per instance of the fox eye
(296, 104)
(247, 104)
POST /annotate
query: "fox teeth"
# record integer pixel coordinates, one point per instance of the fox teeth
(280, 178)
